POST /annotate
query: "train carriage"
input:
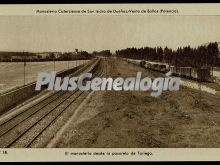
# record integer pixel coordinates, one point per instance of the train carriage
(148, 65)
(156, 67)
(203, 74)
(163, 68)
(173, 70)
(200, 74)
(185, 71)
(142, 63)
(194, 73)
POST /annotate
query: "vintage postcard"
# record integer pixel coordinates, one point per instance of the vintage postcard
(110, 82)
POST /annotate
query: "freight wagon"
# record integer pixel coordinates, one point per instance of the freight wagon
(200, 74)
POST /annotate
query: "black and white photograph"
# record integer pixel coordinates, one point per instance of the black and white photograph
(109, 81)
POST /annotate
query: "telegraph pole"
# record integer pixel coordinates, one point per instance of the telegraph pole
(68, 59)
(76, 50)
(24, 66)
(54, 63)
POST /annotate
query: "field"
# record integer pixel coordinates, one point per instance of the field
(133, 119)
(12, 73)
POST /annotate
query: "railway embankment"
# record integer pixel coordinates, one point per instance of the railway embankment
(12, 98)
(208, 87)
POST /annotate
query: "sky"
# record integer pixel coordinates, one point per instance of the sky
(95, 33)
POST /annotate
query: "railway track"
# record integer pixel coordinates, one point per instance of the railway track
(24, 128)
(153, 73)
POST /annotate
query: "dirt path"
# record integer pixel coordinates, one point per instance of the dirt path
(135, 119)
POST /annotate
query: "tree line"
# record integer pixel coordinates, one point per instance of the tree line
(105, 53)
(50, 56)
(205, 55)
(82, 55)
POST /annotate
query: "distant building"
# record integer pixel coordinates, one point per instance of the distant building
(5, 58)
(43, 55)
(24, 58)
